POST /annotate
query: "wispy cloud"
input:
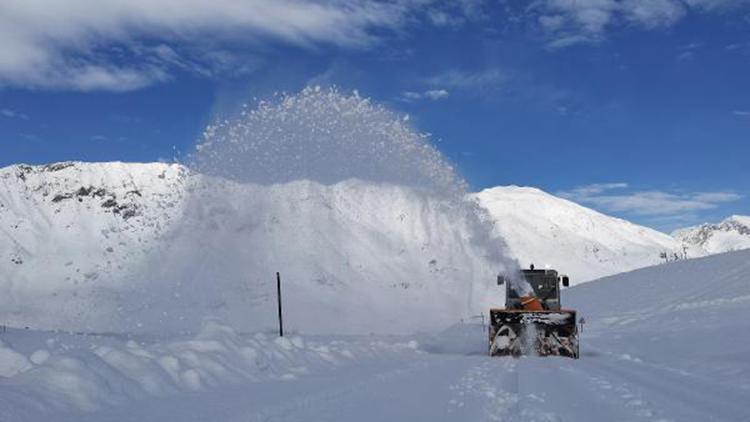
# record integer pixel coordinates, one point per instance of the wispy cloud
(121, 45)
(69, 45)
(13, 114)
(713, 5)
(436, 94)
(478, 81)
(612, 197)
(688, 51)
(430, 94)
(455, 13)
(686, 55)
(571, 22)
(593, 189)
(568, 40)
(743, 113)
(739, 47)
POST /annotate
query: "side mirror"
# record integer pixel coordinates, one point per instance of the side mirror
(565, 281)
(500, 280)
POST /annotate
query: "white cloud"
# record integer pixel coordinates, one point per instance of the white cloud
(477, 82)
(716, 4)
(568, 41)
(85, 45)
(743, 113)
(594, 189)
(653, 13)
(431, 94)
(454, 13)
(489, 79)
(647, 203)
(411, 96)
(441, 18)
(571, 22)
(552, 22)
(716, 197)
(686, 55)
(13, 114)
(436, 94)
(586, 17)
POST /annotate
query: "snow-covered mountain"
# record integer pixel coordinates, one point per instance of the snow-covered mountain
(729, 235)
(71, 234)
(113, 246)
(546, 230)
(137, 248)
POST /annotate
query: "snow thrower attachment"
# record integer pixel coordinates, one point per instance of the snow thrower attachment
(532, 322)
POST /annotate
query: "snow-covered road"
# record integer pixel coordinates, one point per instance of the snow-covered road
(667, 343)
(602, 385)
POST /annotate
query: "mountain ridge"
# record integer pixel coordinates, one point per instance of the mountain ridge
(71, 227)
(547, 230)
(732, 233)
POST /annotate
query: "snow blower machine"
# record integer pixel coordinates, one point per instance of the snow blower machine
(532, 322)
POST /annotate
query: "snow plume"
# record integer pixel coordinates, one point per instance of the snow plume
(369, 226)
(326, 136)
(521, 286)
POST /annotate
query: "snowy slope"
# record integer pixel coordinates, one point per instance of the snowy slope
(543, 229)
(729, 235)
(124, 247)
(665, 343)
(153, 247)
(687, 317)
(72, 232)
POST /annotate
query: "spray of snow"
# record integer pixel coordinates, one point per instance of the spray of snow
(324, 136)
(520, 285)
(529, 340)
(367, 223)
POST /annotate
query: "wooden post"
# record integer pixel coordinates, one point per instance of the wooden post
(278, 294)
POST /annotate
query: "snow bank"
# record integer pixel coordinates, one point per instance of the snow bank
(87, 373)
(12, 362)
(689, 315)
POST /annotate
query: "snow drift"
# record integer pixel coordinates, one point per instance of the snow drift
(688, 316)
(61, 376)
(666, 342)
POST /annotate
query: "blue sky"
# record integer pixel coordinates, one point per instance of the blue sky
(638, 108)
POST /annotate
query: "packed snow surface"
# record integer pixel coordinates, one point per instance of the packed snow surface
(552, 232)
(729, 235)
(666, 343)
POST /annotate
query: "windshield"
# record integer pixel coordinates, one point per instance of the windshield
(544, 285)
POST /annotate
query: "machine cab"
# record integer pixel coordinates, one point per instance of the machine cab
(543, 285)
